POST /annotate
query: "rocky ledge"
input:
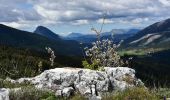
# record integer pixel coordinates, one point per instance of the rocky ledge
(90, 83)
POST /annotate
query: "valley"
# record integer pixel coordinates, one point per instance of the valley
(21, 52)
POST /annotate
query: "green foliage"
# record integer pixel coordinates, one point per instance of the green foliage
(93, 66)
(78, 97)
(163, 92)
(152, 69)
(8, 84)
(137, 93)
(18, 62)
(31, 93)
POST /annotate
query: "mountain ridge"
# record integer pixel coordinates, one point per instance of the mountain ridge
(115, 34)
(41, 30)
(18, 38)
(154, 35)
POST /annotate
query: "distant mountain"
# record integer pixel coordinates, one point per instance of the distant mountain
(116, 35)
(82, 38)
(22, 39)
(121, 31)
(41, 30)
(74, 35)
(155, 35)
(119, 34)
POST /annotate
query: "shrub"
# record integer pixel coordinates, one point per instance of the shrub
(102, 54)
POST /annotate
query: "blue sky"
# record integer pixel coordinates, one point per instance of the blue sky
(65, 16)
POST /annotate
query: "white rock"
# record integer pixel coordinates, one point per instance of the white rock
(118, 76)
(88, 82)
(58, 93)
(83, 88)
(67, 91)
(10, 80)
(4, 94)
(95, 98)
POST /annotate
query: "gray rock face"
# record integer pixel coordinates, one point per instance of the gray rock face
(4, 94)
(67, 91)
(65, 81)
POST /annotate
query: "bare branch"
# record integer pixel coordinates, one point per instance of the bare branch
(102, 25)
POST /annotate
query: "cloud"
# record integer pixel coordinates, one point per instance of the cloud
(106, 21)
(93, 10)
(15, 24)
(19, 13)
(165, 2)
(80, 22)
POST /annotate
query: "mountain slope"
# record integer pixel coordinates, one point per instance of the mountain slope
(41, 30)
(14, 37)
(121, 31)
(155, 35)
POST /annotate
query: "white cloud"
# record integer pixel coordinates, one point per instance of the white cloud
(165, 2)
(80, 22)
(15, 24)
(138, 21)
(106, 21)
(72, 10)
(81, 12)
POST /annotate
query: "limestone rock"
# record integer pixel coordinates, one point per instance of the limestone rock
(67, 91)
(88, 82)
(4, 94)
(58, 93)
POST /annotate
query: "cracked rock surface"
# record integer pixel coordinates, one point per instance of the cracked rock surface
(67, 81)
(4, 94)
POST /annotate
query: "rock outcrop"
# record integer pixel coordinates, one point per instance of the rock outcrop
(90, 83)
(4, 94)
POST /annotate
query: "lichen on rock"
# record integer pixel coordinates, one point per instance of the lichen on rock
(90, 83)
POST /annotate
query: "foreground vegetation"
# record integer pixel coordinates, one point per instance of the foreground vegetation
(31, 93)
(152, 69)
(136, 93)
(18, 62)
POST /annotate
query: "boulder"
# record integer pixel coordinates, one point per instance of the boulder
(91, 83)
(4, 94)
(58, 93)
(67, 91)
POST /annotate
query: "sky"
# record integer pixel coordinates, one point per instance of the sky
(66, 16)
